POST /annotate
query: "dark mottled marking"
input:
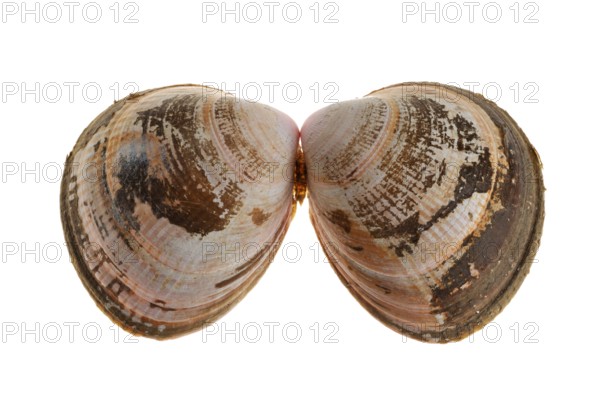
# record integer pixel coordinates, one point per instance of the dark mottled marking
(199, 209)
(361, 142)
(117, 287)
(178, 111)
(442, 172)
(473, 178)
(386, 290)
(236, 141)
(340, 218)
(388, 211)
(195, 210)
(476, 257)
(466, 133)
(129, 242)
(355, 247)
(409, 230)
(512, 230)
(161, 306)
(102, 229)
(259, 216)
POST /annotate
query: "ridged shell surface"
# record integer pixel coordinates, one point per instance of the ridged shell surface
(428, 201)
(173, 203)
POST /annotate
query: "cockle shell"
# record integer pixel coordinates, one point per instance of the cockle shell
(193, 193)
(428, 201)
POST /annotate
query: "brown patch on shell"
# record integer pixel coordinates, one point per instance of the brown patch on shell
(403, 197)
(379, 201)
(259, 216)
(151, 237)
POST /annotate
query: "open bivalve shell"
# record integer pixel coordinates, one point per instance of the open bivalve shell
(427, 199)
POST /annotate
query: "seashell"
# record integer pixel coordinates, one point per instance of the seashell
(428, 201)
(188, 203)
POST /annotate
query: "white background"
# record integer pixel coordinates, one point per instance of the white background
(373, 44)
